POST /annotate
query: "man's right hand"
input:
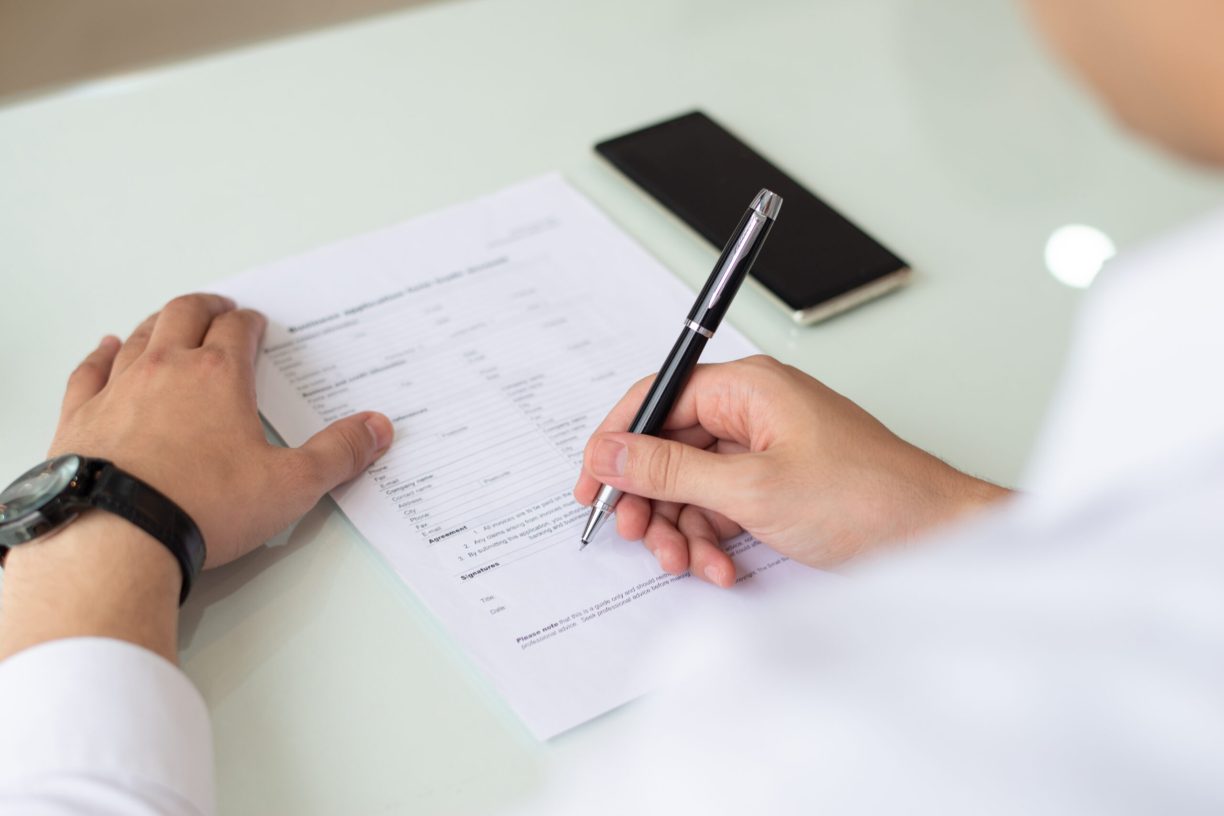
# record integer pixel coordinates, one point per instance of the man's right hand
(760, 446)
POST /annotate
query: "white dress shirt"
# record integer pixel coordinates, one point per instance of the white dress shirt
(100, 726)
(1064, 654)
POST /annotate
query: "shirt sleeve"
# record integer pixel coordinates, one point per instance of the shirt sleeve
(101, 726)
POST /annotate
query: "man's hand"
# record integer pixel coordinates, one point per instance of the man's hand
(759, 446)
(175, 407)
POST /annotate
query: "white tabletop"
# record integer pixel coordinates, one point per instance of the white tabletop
(942, 128)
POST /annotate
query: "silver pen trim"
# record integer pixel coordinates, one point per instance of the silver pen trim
(697, 327)
(601, 509)
(606, 498)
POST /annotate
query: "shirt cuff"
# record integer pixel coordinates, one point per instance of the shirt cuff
(107, 711)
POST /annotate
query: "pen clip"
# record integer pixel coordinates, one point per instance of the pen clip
(737, 254)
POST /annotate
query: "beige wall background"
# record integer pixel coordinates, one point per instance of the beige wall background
(46, 44)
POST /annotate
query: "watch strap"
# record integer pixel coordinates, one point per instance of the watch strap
(120, 493)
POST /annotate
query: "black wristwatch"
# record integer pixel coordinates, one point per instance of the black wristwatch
(57, 491)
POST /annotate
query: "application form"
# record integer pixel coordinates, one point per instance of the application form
(496, 335)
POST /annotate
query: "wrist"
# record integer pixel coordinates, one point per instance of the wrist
(966, 495)
(99, 575)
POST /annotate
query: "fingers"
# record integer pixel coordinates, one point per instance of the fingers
(237, 332)
(340, 452)
(717, 397)
(686, 538)
(90, 376)
(588, 486)
(632, 517)
(135, 345)
(184, 321)
(681, 537)
(664, 541)
(724, 528)
(180, 321)
(720, 401)
(706, 558)
(669, 471)
(696, 436)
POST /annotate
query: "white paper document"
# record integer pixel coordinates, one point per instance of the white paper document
(496, 335)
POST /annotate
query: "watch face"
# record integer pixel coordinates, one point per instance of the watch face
(36, 487)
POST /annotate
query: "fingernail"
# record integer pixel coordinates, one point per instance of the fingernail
(229, 301)
(110, 341)
(380, 430)
(714, 574)
(608, 458)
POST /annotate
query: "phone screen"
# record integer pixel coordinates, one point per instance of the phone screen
(707, 177)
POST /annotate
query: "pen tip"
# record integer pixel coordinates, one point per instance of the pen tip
(582, 546)
(594, 522)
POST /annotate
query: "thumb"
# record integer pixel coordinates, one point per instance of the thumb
(345, 448)
(666, 470)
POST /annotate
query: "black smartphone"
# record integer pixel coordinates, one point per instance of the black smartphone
(816, 262)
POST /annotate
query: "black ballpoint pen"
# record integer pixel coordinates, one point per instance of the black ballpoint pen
(732, 267)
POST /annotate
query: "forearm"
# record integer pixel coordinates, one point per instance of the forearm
(99, 576)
